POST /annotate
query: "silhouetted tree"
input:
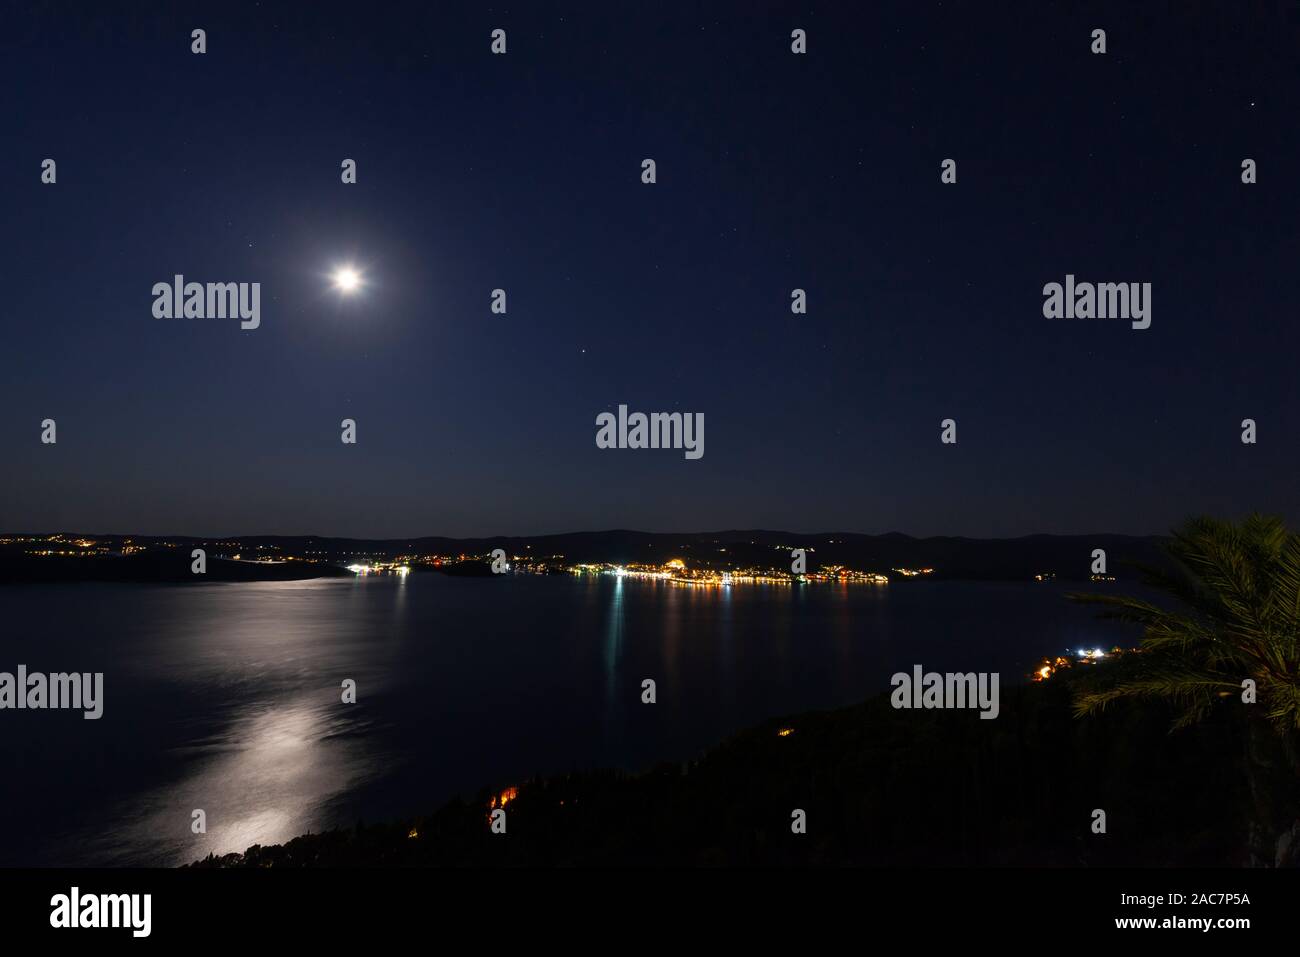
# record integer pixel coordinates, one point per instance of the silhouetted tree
(1237, 618)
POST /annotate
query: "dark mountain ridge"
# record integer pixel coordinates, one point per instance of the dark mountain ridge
(1067, 557)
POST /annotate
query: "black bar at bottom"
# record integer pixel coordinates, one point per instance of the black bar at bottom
(529, 907)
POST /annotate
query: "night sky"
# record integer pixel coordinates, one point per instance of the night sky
(775, 171)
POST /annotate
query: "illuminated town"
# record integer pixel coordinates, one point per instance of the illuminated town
(717, 573)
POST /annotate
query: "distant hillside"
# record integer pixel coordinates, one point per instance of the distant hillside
(1067, 557)
(171, 565)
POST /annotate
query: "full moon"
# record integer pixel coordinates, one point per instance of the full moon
(347, 280)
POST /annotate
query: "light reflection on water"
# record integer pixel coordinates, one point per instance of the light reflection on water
(266, 779)
(226, 698)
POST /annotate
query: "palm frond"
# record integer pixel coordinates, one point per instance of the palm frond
(1238, 588)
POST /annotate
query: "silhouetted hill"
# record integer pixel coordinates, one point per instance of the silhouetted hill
(172, 565)
(1066, 556)
(879, 787)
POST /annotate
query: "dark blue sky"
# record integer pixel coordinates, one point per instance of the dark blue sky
(522, 171)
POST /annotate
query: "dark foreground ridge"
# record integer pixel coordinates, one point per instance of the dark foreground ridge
(879, 786)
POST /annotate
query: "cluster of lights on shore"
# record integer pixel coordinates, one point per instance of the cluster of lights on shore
(1084, 656)
(675, 571)
(379, 569)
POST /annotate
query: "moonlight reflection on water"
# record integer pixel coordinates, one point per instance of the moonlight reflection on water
(228, 698)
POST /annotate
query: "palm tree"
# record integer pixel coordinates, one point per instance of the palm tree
(1237, 622)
